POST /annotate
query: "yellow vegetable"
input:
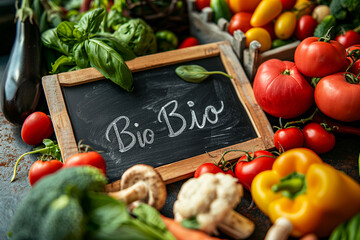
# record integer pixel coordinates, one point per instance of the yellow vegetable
(313, 195)
(285, 25)
(265, 12)
(260, 35)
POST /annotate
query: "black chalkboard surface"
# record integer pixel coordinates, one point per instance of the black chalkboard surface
(165, 121)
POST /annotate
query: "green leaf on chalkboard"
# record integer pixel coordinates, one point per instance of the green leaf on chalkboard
(195, 73)
(110, 63)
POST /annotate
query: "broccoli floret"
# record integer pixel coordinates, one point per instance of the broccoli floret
(40, 203)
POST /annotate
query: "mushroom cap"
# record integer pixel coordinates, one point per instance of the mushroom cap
(156, 187)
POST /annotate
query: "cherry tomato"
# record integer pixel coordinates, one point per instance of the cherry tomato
(87, 158)
(200, 4)
(349, 38)
(260, 35)
(288, 4)
(189, 42)
(265, 12)
(240, 21)
(211, 168)
(243, 6)
(315, 58)
(338, 98)
(288, 138)
(36, 127)
(285, 25)
(305, 27)
(317, 138)
(41, 168)
(281, 90)
(248, 166)
(355, 69)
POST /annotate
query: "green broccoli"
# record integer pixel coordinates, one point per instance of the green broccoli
(53, 197)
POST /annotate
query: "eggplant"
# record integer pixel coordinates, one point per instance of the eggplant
(21, 89)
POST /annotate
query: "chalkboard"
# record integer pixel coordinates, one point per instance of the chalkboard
(165, 122)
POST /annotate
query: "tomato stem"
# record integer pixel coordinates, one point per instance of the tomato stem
(351, 78)
(304, 120)
(286, 72)
(327, 36)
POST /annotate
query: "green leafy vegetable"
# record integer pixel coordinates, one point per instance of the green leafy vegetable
(195, 73)
(51, 40)
(348, 230)
(90, 21)
(191, 223)
(62, 64)
(109, 63)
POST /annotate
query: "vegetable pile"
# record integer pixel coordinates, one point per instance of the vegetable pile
(275, 23)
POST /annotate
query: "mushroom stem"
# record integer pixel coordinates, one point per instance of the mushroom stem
(280, 230)
(236, 225)
(137, 192)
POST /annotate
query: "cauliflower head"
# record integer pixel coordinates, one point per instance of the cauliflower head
(209, 198)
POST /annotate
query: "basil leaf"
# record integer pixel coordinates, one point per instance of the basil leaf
(109, 63)
(67, 33)
(116, 44)
(51, 40)
(196, 73)
(80, 55)
(192, 73)
(62, 64)
(91, 21)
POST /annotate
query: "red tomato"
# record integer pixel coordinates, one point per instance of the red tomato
(317, 138)
(281, 90)
(349, 38)
(249, 166)
(87, 158)
(270, 27)
(316, 58)
(240, 21)
(40, 169)
(211, 168)
(36, 127)
(305, 27)
(288, 138)
(288, 4)
(189, 42)
(338, 98)
(200, 4)
(355, 69)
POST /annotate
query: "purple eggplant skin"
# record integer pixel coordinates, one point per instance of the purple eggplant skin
(21, 87)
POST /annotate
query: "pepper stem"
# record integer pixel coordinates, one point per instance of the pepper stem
(291, 186)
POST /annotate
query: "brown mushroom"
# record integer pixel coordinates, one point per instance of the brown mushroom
(142, 183)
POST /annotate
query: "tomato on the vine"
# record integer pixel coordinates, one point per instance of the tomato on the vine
(86, 159)
(200, 4)
(355, 68)
(281, 90)
(319, 57)
(349, 38)
(317, 138)
(211, 168)
(40, 169)
(288, 138)
(305, 27)
(338, 96)
(240, 21)
(251, 164)
(36, 127)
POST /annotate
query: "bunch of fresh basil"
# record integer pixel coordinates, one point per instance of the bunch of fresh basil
(82, 45)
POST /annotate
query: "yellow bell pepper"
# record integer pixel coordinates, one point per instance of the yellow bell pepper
(313, 195)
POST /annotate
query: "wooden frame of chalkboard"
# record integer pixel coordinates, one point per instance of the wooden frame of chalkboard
(183, 168)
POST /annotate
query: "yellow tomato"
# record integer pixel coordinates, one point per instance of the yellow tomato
(303, 7)
(265, 12)
(243, 5)
(285, 25)
(260, 35)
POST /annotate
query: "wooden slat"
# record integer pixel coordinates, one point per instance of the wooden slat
(59, 116)
(143, 63)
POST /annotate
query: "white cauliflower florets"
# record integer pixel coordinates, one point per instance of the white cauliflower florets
(208, 198)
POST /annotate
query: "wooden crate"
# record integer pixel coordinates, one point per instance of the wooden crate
(205, 30)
